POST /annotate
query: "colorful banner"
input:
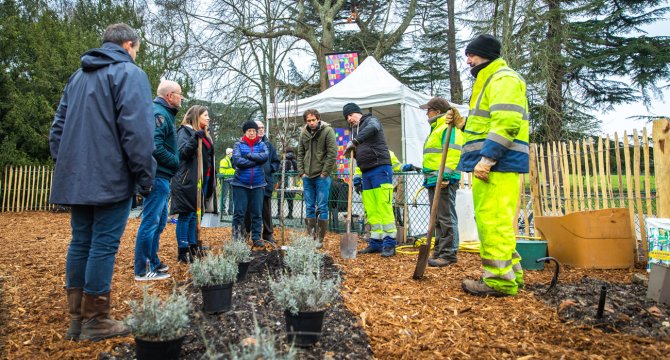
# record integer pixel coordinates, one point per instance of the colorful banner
(342, 136)
(340, 65)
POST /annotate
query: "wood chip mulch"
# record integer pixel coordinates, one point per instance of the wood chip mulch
(404, 318)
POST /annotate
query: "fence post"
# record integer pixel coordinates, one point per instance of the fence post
(661, 136)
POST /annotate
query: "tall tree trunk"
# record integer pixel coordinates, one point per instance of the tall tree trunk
(555, 73)
(456, 87)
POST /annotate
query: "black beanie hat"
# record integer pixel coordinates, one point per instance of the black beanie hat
(485, 46)
(249, 125)
(350, 108)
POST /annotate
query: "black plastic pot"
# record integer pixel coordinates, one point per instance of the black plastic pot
(217, 298)
(242, 269)
(304, 329)
(158, 350)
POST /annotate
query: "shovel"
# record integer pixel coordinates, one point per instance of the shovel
(348, 241)
(424, 249)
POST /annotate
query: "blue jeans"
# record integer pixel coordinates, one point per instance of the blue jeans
(226, 196)
(96, 234)
(154, 218)
(186, 226)
(251, 200)
(315, 193)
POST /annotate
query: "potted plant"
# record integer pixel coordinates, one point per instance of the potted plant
(241, 253)
(302, 258)
(159, 326)
(215, 275)
(304, 298)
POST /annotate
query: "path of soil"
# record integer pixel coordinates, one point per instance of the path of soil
(403, 318)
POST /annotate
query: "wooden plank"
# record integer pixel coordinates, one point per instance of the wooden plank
(6, 206)
(619, 170)
(601, 170)
(566, 177)
(550, 174)
(594, 173)
(5, 176)
(587, 176)
(535, 192)
(33, 171)
(558, 178)
(580, 182)
(50, 177)
(647, 172)
(17, 206)
(638, 194)
(543, 183)
(573, 172)
(660, 133)
(43, 188)
(608, 171)
(629, 191)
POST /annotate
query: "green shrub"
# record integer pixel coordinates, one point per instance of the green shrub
(238, 250)
(304, 292)
(156, 320)
(214, 269)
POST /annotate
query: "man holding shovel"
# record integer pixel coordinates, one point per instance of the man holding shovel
(372, 156)
(446, 227)
(496, 151)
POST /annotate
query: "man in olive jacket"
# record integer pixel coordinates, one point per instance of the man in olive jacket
(317, 150)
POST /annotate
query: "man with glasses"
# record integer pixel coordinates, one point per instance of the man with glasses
(155, 212)
(446, 222)
(372, 156)
(317, 152)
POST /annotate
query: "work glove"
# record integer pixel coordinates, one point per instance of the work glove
(358, 185)
(483, 168)
(350, 147)
(200, 134)
(410, 167)
(454, 118)
(144, 191)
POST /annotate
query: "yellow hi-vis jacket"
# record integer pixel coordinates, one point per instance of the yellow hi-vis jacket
(432, 152)
(497, 125)
(226, 167)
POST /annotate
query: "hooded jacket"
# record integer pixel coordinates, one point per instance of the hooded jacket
(101, 138)
(317, 150)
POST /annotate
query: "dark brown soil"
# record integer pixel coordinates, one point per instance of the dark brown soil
(252, 301)
(626, 308)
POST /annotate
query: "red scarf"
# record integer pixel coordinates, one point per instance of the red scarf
(249, 141)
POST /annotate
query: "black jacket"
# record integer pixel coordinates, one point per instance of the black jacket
(371, 148)
(184, 186)
(270, 167)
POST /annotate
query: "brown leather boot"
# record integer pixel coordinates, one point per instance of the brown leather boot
(322, 228)
(311, 227)
(74, 296)
(97, 324)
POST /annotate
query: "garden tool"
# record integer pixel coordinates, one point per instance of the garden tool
(424, 249)
(199, 201)
(349, 240)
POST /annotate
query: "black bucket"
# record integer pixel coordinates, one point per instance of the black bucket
(304, 329)
(217, 298)
(242, 269)
(158, 350)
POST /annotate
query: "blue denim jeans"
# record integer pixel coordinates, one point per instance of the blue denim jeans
(186, 226)
(251, 200)
(154, 218)
(96, 234)
(226, 196)
(315, 193)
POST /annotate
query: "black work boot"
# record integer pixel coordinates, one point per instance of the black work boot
(74, 296)
(183, 255)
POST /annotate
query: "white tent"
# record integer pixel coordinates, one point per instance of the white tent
(374, 89)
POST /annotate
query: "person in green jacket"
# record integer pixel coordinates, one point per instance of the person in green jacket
(317, 150)
(228, 171)
(496, 151)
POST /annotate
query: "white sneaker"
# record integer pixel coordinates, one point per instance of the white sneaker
(152, 275)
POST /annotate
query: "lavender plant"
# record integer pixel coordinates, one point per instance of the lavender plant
(156, 320)
(304, 292)
(238, 250)
(214, 269)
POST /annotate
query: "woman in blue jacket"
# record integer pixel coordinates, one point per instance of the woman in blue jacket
(249, 155)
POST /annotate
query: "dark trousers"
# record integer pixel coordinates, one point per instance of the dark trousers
(446, 226)
(266, 214)
(288, 197)
(247, 202)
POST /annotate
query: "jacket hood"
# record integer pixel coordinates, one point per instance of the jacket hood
(322, 125)
(106, 55)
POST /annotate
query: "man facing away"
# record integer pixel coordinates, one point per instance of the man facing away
(496, 151)
(317, 151)
(446, 221)
(102, 143)
(372, 156)
(155, 212)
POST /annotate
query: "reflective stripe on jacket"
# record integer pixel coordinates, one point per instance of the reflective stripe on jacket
(497, 126)
(432, 152)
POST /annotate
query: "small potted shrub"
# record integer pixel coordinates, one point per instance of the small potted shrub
(241, 253)
(304, 298)
(159, 326)
(215, 275)
(302, 258)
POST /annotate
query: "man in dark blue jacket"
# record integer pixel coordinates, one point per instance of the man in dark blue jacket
(101, 141)
(270, 167)
(155, 212)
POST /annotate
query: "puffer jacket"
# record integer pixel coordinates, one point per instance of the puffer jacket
(371, 148)
(184, 185)
(248, 161)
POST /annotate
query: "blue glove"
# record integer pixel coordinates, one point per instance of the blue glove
(407, 167)
(358, 184)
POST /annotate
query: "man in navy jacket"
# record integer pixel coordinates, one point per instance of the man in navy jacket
(102, 142)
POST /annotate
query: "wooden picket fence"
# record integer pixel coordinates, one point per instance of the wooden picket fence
(572, 176)
(26, 188)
